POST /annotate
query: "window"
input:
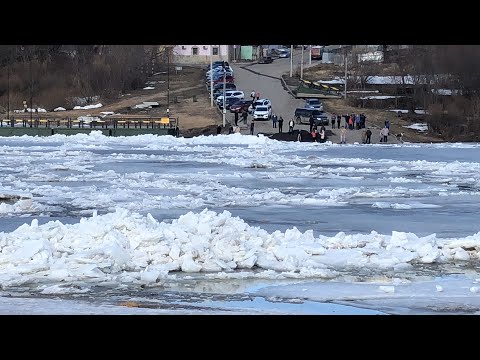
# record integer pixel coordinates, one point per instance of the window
(184, 47)
(215, 51)
(194, 50)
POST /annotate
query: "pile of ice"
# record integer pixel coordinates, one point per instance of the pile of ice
(128, 247)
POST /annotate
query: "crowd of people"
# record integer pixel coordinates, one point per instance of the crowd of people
(351, 122)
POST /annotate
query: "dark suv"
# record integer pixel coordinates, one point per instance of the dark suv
(240, 106)
(302, 116)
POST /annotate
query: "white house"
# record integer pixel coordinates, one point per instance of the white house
(200, 54)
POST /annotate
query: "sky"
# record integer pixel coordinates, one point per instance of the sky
(78, 212)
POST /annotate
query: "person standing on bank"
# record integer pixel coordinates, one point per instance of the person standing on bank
(291, 124)
(364, 136)
(368, 135)
(280, 125)
(274, 121)
(343, 132)
(245, 115)
(312, 122)
(384, 135)
(236, 118)
(339, 118)
(252, 127)
(334, 118)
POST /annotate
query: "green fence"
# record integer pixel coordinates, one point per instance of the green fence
(20, 131)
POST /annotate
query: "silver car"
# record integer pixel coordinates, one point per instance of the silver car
(313, 104)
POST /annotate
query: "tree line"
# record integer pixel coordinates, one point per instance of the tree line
(442, 79)
(60, 75)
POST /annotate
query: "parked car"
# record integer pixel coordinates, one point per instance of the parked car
(302, 116)
(240, 106)
(232, 93)
(228, 79)
(218, 75)
(229, 101)
(283, 53)
(313, 104)
(219, 90)
(262, 112)
(218, 72)
(219, 86)
(266, 60)
(220, 69)
(218, 63)
(259, 102)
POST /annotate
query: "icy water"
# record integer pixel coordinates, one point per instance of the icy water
(420, 189)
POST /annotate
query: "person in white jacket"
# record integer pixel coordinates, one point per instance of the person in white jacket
(384, 135)
(291, 124)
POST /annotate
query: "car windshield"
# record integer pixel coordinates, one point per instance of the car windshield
(314, 102)
(261, 108)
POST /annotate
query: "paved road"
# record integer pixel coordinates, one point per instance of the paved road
(265, 78)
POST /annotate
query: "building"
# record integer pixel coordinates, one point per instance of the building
(200, 54)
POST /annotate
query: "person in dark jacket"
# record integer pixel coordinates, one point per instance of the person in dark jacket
(274, 120)
(219, 129)
(368, 135)
(280, 124)
(312, 122)
(245, 115)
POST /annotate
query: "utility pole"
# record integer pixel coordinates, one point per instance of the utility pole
(346, 61)
(211, 75)
(291, 60)
(310, 56)
(168, 81)
(31, 91)
(8, 92)
(224, 111)
(301, 65)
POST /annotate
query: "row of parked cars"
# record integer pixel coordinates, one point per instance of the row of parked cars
(225, 92)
